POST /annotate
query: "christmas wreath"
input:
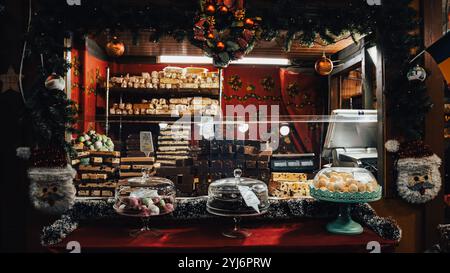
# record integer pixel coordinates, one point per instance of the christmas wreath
(223, 31)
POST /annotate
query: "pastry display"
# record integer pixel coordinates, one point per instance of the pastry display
(96, 173)
(170, 77)
(174, 145)
(345, 186)
(175, 107)
(289, 185)
(345, 182)
(145, 196)
(133, 166)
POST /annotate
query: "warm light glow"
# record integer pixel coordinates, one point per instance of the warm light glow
(163, 125)
(207, 60)
(285, 130)
(184, 59)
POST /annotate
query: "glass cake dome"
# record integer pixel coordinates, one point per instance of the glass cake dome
(237, 196)
(145, 196)
(344, 184)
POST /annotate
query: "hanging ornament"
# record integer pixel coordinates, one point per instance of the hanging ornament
(417, 73)
(220, 46)
(210, 9)
(223, 10)
(418, 177)
(55, 82)
(115, 48)
(210, 35)
(249, 23)
(324, 66)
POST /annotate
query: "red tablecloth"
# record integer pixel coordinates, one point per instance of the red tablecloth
(309, 235)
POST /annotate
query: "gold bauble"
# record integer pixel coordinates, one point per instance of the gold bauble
(324, 66)
(115, 48)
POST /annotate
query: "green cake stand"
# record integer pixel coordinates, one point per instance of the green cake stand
(344, 223)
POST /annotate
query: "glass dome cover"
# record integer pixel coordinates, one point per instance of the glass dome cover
(237, 196)
(145, 196)
(343, 184)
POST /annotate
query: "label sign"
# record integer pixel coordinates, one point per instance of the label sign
(146, 143)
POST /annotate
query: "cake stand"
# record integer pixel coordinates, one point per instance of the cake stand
(344, 223)
(146, 230)
(236, 231)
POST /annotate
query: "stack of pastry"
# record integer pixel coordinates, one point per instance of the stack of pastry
(97, 173)
(162, 106)
(289, 185)
(170, 78)
(173, 144)
(135, 166)
(344, 182)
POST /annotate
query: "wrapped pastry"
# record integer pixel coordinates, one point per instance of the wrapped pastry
(155, 74)
(122, 106)
(137, 111)
(130, 84)
(112, 111)
(118, 112)
(115, 105)
(128, 106)
(146, 75)
(148, 85)
(124, 84)
(130, 112)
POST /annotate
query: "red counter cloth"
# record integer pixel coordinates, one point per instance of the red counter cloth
(306, 236)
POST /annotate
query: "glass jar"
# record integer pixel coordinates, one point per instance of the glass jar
(145, 196)
(237, 196)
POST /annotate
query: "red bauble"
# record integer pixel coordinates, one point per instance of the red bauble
(210, 9)
(223, 10)
(249, 22)
(220, 46)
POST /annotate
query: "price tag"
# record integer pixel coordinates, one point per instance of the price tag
(146, 143)
(250, 197)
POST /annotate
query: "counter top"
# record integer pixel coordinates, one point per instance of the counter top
(307, 235)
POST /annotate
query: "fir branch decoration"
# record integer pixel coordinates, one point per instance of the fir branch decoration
(52, 115)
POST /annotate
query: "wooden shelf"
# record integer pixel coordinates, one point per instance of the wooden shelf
(113, 118)
(169, 93)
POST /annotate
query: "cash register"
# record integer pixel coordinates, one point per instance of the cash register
(351, 139)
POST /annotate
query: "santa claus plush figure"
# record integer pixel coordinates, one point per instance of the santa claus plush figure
(418, 176)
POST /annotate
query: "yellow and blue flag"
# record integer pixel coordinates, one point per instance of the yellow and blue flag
(440, 51)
